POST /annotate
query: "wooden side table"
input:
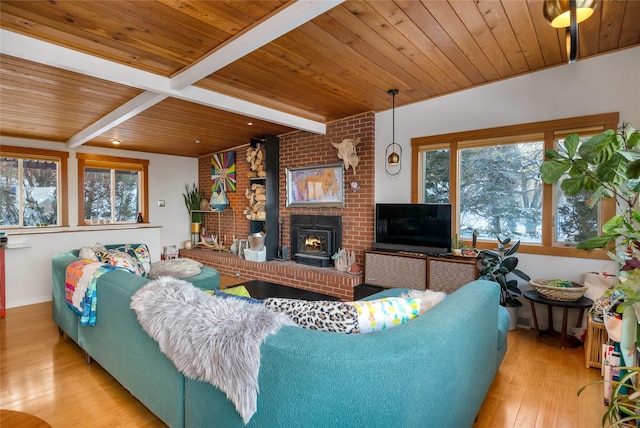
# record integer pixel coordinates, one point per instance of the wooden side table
(596, 337)
(581, 304)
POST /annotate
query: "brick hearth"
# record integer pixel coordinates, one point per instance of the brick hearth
(321, 280)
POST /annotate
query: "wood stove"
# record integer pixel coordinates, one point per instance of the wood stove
(315, 238)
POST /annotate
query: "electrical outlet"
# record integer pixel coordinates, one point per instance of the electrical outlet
(161, 202)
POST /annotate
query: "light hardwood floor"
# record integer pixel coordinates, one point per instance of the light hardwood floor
(45, 375)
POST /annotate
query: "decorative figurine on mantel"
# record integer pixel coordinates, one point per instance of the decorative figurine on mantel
(343, 259)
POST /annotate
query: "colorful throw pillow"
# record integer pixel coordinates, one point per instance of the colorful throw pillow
(240, 290)
(382, 314)
(225, 295)
(336, 317)
(141, 253)
(101, 252)
(125, 261)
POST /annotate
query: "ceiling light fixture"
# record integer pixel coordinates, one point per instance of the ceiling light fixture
(568, 14)
(392, 161)
(116, 141)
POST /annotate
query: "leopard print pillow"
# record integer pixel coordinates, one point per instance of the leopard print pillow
(336, 317)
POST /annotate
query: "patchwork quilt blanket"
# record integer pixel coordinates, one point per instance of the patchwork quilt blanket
(80, 288)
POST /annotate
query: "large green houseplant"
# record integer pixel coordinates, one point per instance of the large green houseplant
(608, 166)
(497, 265)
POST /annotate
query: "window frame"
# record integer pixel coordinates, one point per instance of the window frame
(551, 130)
(62, 158)
(86, 160)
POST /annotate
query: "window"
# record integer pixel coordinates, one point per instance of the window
(492, 179)
(113, 190)
(33, 189)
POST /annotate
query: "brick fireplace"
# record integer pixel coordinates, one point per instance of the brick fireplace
(315, 238)
(299, 149)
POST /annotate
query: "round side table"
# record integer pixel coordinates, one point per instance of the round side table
(534, 297)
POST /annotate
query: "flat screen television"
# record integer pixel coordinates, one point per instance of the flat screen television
(419, 228)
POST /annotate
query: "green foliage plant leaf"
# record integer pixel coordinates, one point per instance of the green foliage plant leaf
(571, 144)
(600, 147)
(601, 241)
(633, 169)
(623, 407)
(573, 185)
(613, 169)
(553, 154)
(496, 265)
(553, 170)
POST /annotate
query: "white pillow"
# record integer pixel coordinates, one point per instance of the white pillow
(87, 253)
(429, 298)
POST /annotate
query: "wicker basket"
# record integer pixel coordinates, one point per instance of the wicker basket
(565, 294)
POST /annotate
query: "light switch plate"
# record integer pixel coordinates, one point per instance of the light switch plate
(161, 202)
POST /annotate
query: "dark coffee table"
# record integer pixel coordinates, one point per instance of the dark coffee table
(263, 289)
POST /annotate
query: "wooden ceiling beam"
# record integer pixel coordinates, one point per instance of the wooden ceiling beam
(31, 49)
(121, 114)
(263, 32)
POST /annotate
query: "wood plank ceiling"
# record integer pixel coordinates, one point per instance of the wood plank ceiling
(161, 74)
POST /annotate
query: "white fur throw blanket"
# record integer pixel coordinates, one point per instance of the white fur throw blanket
(209, 338)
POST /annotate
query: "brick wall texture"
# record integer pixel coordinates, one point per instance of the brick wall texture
(299, 149)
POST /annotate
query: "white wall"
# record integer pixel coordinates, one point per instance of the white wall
(604, 84)
(28, 270)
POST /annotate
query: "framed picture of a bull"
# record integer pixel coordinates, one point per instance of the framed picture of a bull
(316, 186)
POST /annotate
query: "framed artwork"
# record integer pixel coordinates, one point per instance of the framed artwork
(316, 186)
(223, 172)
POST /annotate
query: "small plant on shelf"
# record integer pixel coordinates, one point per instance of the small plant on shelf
(192, 197)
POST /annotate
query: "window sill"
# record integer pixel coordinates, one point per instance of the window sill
(82, 228)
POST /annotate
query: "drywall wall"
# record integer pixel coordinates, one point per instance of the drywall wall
(28, 273)
(604, 84)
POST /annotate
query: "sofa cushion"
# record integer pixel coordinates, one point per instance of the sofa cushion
(336, 317)
(381, 314)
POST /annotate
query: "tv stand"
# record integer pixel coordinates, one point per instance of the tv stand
(419, 271)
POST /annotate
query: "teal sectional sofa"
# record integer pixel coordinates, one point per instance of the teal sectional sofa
(433, 371)
(118, 343)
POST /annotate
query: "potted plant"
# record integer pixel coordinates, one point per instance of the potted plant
(608, 166)
(624, 405)
(496, 266)
(192, 197)
(456, 245)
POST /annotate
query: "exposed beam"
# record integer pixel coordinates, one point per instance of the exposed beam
(124, 112)
(264, 32)
(30, 49)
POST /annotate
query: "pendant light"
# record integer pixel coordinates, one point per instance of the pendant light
(392, 161)
(568, 14)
